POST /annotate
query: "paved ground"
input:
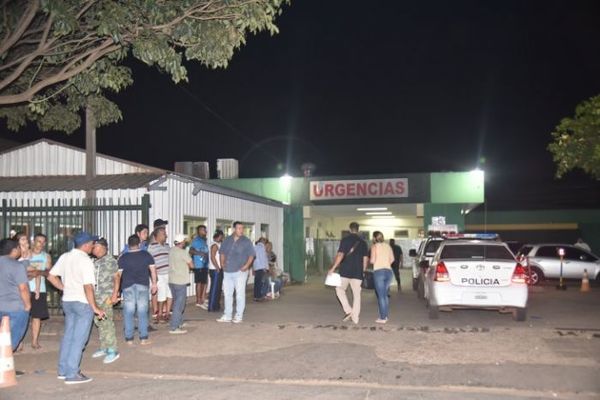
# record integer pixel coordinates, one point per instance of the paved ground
(297, 348)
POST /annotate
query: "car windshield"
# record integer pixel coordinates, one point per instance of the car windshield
(432, 246)
(475, 252)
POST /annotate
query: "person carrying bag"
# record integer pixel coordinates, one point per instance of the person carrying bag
(352, 258)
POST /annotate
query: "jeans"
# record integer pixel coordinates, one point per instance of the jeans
(18, 325)
(259, 276)
(235, 281)
(216, 287)
(179, 293)
(135, 297)
(78, 324)
(383, 280)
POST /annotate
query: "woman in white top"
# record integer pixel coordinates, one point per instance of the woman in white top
(382, 257)
(216, 272)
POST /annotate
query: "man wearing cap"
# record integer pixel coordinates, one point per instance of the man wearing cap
(179, 277)
(73, 273)
(236, 256)
(105, 268)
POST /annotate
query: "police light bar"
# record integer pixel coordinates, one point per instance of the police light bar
(475, 236)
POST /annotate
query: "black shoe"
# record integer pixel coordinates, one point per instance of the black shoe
(151, 328)
(19, 373)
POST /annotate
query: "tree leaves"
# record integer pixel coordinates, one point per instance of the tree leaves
(576, 141)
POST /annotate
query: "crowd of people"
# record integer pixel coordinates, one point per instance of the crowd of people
(149, 277)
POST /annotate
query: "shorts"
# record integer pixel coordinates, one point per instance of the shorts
(39, 307)
(201, 275)
(164, 292)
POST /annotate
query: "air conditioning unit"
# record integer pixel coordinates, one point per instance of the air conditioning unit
(227, 168)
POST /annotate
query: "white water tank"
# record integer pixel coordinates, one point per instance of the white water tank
(227, 168)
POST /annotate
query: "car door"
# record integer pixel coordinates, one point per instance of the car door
(547, 258)
(576, 261)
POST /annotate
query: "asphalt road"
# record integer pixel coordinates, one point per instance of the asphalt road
(297, 348)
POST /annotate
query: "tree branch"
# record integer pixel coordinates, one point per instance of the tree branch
(22, 26)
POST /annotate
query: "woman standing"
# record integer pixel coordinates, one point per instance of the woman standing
(382, 257)
(41, 261)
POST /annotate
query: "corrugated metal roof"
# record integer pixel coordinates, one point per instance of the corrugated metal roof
(75, 182)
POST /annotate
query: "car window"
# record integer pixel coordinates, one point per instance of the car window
(547, 251)
(524, 251)
(432, 246)
(572, 253)
(475, 252)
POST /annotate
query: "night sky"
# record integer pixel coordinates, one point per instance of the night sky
(381, 87)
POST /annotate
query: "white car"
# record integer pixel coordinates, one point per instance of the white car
(476, 274)
(543, 262)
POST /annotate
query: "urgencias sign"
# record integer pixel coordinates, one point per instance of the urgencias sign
(359, 189)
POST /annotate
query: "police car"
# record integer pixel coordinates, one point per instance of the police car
(471, 272)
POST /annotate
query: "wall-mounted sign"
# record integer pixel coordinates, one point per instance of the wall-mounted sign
(359, 189)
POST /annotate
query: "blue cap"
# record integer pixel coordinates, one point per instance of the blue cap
(83, 237)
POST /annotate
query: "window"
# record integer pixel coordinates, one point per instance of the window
(524, 251)
(476, 252)
(547, 252)
(432, 246)
(401, 233)
(190, 224)
(572, 253)
(264, 230)
(225, 226)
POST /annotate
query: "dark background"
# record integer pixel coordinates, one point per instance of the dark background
(381, 87)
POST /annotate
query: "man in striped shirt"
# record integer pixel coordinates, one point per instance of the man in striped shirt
(159, 249)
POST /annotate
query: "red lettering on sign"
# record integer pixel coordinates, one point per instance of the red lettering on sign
(351, 189)
(389, 188)
(317, 191)
(400, 187)
(340, 189)
(372, 188)
(361, 189)
(328, 189)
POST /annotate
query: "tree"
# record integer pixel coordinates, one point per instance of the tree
(59, 56)
(576, 141)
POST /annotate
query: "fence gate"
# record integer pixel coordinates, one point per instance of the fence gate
(60, 220)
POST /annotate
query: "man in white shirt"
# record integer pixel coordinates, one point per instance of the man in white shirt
(73, 273)
(583, 245)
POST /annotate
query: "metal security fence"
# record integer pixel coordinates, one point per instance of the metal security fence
(61, 219)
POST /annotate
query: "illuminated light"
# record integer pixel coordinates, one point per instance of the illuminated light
(372, 209)
(519, 275)
(286, 180)
(478, 174)
(382, 216)
(441, 273)
(379, 213)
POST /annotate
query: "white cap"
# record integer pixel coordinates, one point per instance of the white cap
(180, 238)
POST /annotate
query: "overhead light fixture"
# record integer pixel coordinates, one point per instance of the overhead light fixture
(383, 217)
(372, 209)
(379, 213)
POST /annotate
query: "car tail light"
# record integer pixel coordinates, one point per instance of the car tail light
(441, 272)
(519, 276)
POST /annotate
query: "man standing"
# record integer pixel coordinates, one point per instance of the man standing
(136, 269)
(179, 278)
(352, 258)
(397, 264)
(216, 272)
(105, 268)
(199, 253)
(15, 300)
(142, 232)
(159, 250)
(260, 266)
(236, 255)
(74, 275)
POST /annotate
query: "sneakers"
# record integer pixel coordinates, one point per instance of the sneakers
(145, 342)
(99, 353)
(61, 377)
(203, 306)
(177, 331)
(129, 342)
(224, 319)
(381, 321)
(79, 378)
(347, 318)
(111, 357)
(237, 321)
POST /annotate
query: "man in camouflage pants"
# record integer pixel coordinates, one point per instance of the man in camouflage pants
(106, 271)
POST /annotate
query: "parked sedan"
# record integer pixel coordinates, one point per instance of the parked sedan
(543, 262)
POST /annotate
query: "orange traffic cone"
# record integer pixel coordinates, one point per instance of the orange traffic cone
(8, 376)
(585, 282)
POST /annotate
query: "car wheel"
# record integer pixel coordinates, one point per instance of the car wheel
(520, 314)
(434, 312)
(420, 288)
(415, 283)
(535, 276)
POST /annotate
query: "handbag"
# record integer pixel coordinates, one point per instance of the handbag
(368, 281)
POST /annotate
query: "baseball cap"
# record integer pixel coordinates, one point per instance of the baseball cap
(102, 242)
(180, 238)
(83, 237)
(160, 222)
